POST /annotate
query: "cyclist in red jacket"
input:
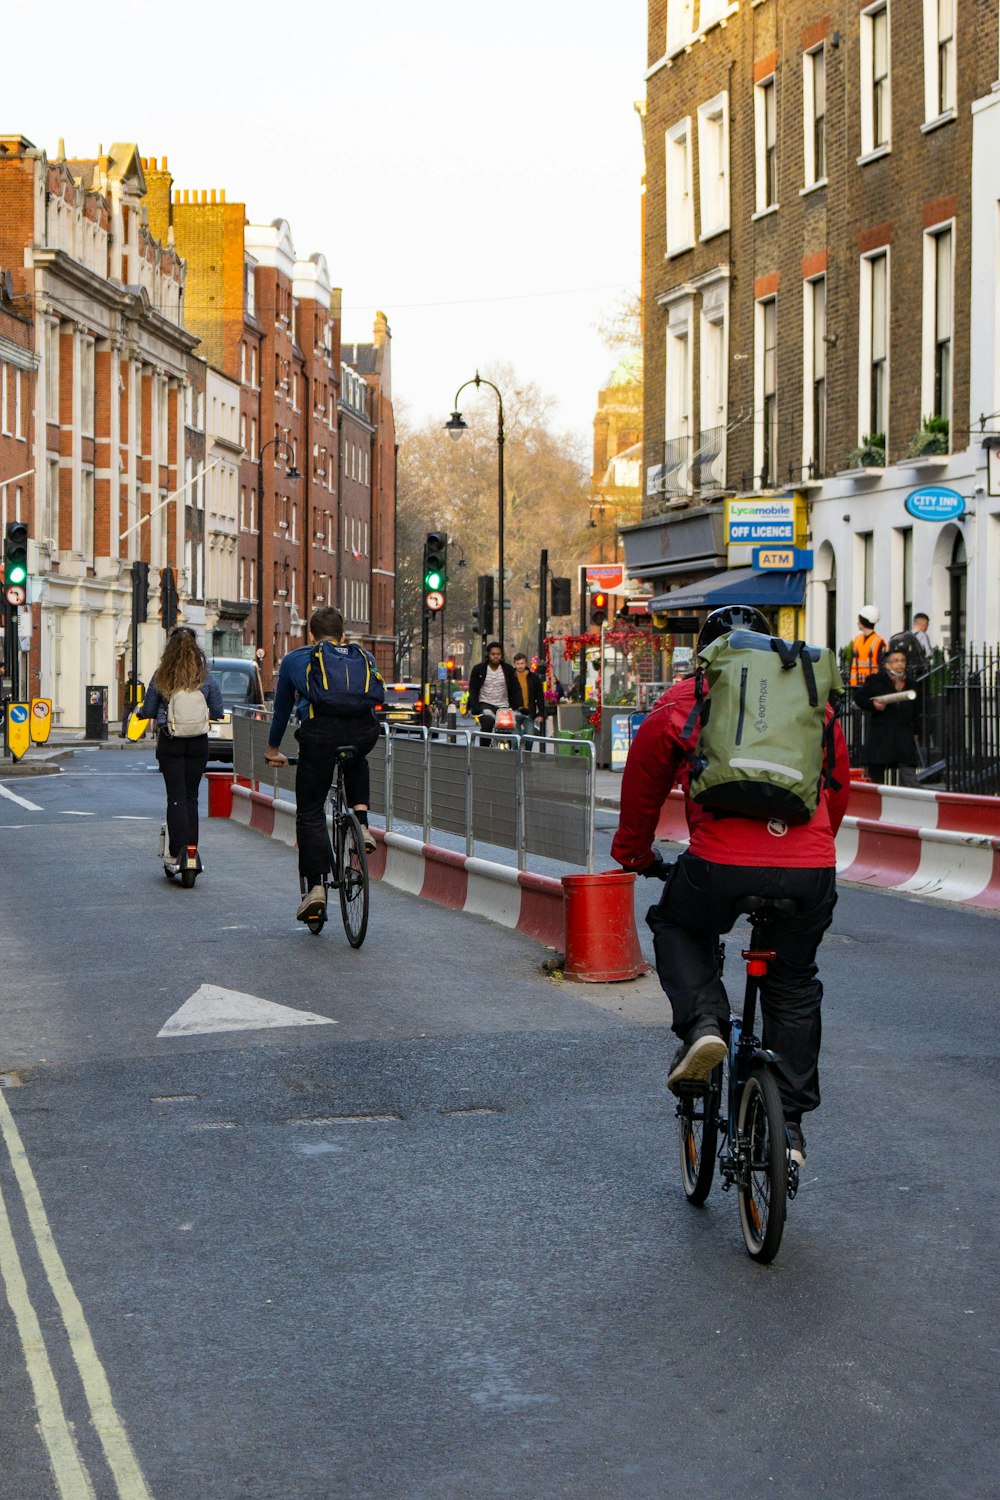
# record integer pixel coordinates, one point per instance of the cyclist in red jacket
(729, 858)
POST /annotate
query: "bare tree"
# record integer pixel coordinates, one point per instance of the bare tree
(453, 485)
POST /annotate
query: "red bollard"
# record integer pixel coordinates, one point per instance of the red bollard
(220, 794)
(602, 945)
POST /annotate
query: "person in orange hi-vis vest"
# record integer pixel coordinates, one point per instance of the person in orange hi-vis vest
(867, 647)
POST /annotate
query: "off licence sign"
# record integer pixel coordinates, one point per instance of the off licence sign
(751, 522)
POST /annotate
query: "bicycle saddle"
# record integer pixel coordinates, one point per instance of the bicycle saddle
(346, 752)
(779, 905)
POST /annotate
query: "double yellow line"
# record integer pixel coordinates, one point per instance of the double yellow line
(73, 1482)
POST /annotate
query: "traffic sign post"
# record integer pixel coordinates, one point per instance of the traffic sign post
(18, 729)
(40, 722)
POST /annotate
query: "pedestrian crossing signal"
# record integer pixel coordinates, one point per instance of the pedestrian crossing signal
(598, 608)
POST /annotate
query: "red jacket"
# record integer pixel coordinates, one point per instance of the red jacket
(659, 758)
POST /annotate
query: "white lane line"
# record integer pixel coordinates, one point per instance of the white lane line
(108, 1424)
(69, 812)
(72, 1479)
(21, 801)
(133, 818)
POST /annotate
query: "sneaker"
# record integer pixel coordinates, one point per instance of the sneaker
(796, 1142)
(311, 904)
(171, 867)
(369, 838)
(694, 1061)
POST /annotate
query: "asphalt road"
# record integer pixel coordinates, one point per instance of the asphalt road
(433, 1244)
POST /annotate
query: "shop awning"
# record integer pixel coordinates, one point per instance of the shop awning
(768, 589)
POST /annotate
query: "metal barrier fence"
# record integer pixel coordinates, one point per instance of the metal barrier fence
(483, 788)
(960, 722)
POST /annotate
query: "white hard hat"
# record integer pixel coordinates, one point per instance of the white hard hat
(869, 613)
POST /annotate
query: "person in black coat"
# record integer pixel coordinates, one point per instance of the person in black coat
(893, 728)
(493, 684)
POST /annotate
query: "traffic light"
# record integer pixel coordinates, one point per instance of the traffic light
(449, 667)
(435, 569)
(169, 602)
(15, 555)
(140, 592)
(598, 608)
(561, 603)
(486, 604)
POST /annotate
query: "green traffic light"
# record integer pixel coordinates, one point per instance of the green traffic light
(433, 580)
(16, 573)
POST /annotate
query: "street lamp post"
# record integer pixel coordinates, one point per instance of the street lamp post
(291, 473)
(455, 426)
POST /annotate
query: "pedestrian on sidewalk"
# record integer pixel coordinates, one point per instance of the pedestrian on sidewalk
(180, 680)
(891, 743)
(867, 647)
(530, 717)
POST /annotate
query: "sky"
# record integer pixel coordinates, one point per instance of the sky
(472, 169)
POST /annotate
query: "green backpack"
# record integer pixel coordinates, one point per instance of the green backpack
(761, 706)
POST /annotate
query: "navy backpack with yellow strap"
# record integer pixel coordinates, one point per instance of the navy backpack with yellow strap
(342, 680)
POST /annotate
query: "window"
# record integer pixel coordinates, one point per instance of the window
(243, 363)
(766, 391)
(814, 115)
(680, 198)
(905, 556)
(87, 388)
(87, 514)
(939, 59)
(876, 99)
(814, 385)
(51, 522)
(938, 318)
(873, 352)
(766, 144)
(713, 153)
(4, 417)
(18, 412)
(710, 473)
(52, 372)
(866, 571)
(680, 22)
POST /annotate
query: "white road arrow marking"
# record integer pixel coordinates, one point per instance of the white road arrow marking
(21, 801)
(212, 1008)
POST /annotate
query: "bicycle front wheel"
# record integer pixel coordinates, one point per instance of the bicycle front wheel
(763, 1188)
(352, 870)
(698, 1118)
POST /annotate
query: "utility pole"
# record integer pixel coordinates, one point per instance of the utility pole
(543, 603)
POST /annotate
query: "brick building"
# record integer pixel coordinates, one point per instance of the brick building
(371, 411)
(108, 444)
(18, 363)
(271, 320)
(808, 262)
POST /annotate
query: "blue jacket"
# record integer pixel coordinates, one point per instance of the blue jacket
(290, 691)
(155, 707)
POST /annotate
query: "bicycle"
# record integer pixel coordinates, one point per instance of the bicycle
(348, 874)
(740, 1101)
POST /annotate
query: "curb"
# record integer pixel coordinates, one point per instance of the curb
(531, 904)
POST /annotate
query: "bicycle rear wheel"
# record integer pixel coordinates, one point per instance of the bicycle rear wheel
(698, 1118)
(352, 871)
(763, 1189)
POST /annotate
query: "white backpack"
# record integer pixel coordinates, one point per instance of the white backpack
(187, 714)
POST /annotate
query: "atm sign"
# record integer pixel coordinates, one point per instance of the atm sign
(783, 559)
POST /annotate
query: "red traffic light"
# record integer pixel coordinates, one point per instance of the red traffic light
(598, 608)
(450, 664)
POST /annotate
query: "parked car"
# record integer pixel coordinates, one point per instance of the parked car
(241, 685)
(402, 704)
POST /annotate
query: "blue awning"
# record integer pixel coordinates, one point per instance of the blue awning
(768, 589)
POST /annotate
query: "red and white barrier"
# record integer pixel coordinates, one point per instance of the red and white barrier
(531, 904)
(944, 845)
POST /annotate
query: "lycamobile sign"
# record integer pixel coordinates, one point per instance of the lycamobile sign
(750, 522)
(935, 503)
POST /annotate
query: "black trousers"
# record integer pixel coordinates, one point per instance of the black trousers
(319, 739)
(699, 902)
(182, 764)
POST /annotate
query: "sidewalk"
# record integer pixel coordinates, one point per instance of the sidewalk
(609, 790)
(45, 760)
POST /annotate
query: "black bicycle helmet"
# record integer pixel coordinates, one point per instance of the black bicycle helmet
(732, 617)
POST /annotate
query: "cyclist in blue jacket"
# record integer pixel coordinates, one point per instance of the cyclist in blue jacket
(333, 710)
